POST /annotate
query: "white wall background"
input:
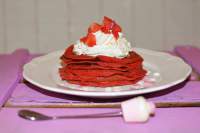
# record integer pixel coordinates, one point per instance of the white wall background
(48, 25)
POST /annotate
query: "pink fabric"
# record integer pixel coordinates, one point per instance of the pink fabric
(190, 54)
(10, 72)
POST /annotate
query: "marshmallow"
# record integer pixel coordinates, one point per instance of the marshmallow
(137, 109)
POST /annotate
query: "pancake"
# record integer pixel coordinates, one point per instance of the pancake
(101, 71)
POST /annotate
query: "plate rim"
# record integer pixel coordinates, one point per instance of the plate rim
(107, 94)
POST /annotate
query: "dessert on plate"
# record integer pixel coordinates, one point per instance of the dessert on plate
(102, 58)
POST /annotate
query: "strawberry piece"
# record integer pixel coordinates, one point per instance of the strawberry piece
(116, 30)
(107, 25)
(107, 21)
(94, 28)
(105, 30)
(83, 39)
(116, 35)
(91, 40)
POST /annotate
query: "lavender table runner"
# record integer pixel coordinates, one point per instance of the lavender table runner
(10, 72)
(24, 95)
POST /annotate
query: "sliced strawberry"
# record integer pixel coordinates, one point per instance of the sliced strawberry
(105, 30)
(83, 39)
(107, 21)
(116, 29)
(91, 40)
(107, 25)
(116, 35)
(94, 28)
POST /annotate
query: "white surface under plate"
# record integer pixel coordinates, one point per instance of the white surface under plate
(164, 71)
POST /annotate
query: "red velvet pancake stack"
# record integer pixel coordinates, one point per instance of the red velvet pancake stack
(101, 71)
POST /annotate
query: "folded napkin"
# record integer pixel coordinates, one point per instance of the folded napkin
(11, 72)
(190, 54)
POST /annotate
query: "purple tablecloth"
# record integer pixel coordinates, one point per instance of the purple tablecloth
(165, 121)
(173, 120)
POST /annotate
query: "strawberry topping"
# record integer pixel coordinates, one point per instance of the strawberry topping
(83, 39)
(116, 30)
(108, 27)
(90, 40)
(94, 28)
(107, 21)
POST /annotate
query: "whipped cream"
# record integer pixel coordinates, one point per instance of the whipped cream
(106, 45)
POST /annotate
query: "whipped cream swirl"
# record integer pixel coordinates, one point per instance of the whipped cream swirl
(106, 45)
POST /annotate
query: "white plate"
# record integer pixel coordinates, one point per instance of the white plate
(164, 71)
